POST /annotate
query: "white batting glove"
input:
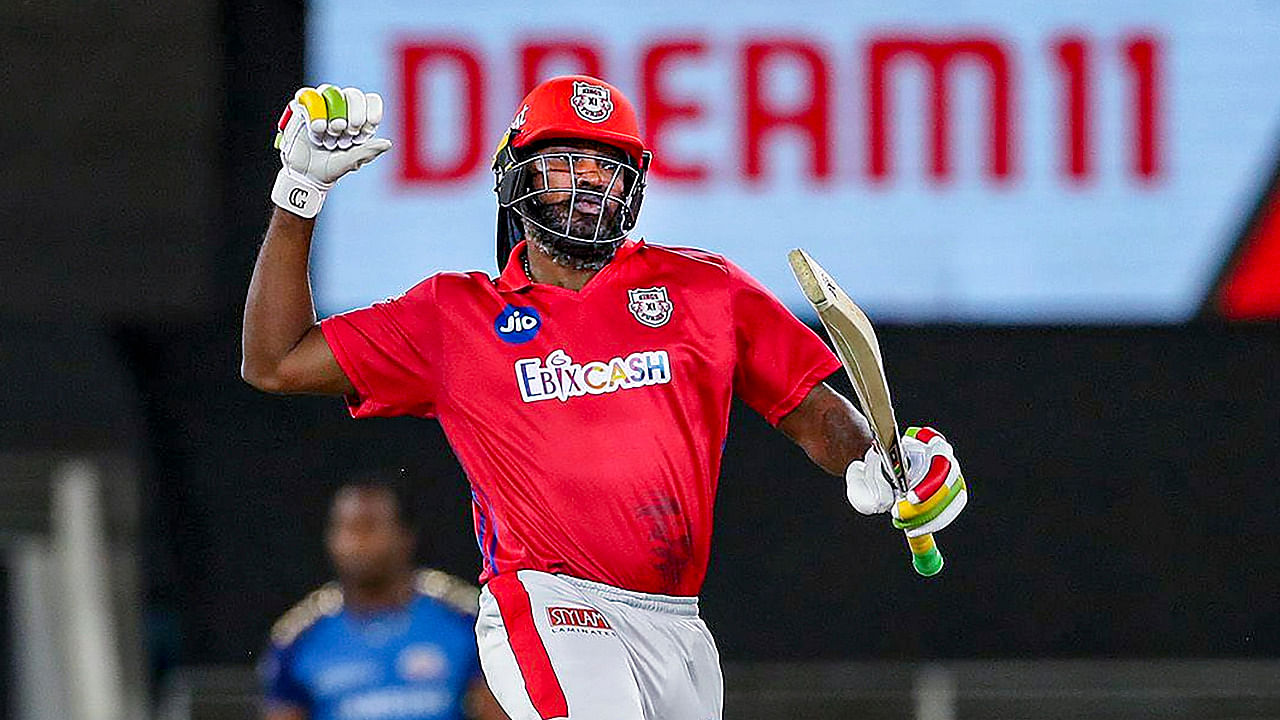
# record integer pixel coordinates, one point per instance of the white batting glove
(936, 489)
(868, 489)
(324, 133)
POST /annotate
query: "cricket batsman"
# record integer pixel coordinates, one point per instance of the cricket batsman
(585, 391)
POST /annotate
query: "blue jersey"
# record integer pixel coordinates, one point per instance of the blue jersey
(410, 663)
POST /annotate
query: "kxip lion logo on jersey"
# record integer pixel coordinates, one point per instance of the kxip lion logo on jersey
(650, 306)
(591, 102)
(559, 377)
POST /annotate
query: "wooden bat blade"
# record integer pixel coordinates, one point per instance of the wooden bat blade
(855, 343)
(859, 350)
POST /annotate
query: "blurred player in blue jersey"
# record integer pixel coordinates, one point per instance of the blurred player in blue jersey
(385, 642)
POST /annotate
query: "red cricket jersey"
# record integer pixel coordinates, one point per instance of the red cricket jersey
(591, 423)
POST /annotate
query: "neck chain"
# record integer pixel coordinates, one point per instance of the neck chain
(528, 272)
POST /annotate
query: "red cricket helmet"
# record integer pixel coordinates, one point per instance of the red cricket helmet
(569, 107)
(578, 107)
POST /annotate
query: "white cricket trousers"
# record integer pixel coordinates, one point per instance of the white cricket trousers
(554, 646)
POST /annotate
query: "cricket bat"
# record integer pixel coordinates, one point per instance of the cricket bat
(856, 345)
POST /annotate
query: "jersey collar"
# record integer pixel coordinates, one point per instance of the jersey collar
(514, 279)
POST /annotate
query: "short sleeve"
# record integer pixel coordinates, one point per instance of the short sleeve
(388, 352)
(779, 358)
(280, 687)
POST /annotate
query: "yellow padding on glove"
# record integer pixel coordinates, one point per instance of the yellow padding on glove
(314, 104)
(906, 510)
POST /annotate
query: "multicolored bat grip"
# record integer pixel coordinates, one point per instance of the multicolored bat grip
(925, 556)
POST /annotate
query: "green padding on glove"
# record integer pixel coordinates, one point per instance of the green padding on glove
(919, 520)
(929, 563)
(336, 103)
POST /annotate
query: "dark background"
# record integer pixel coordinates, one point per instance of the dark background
(1122, 477)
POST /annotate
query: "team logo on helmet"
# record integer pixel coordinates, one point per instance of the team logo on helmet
(518, 121)
(650, 305)
(591, 102)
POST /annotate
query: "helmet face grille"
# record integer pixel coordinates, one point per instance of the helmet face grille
(580, 197)
(583, 218)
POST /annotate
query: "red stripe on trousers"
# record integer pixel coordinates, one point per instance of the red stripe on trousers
(531, 655)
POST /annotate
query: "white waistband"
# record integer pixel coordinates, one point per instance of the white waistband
(674, 604)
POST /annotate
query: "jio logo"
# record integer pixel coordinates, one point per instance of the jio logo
(517, 325)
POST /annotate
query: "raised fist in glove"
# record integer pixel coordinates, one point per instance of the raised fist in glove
(324, 133)
(937, 491)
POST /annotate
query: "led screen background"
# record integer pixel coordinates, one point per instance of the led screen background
(996, 162)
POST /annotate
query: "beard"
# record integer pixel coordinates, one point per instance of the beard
(577, 251)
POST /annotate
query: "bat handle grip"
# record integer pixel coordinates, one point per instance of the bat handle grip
(925, 556)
